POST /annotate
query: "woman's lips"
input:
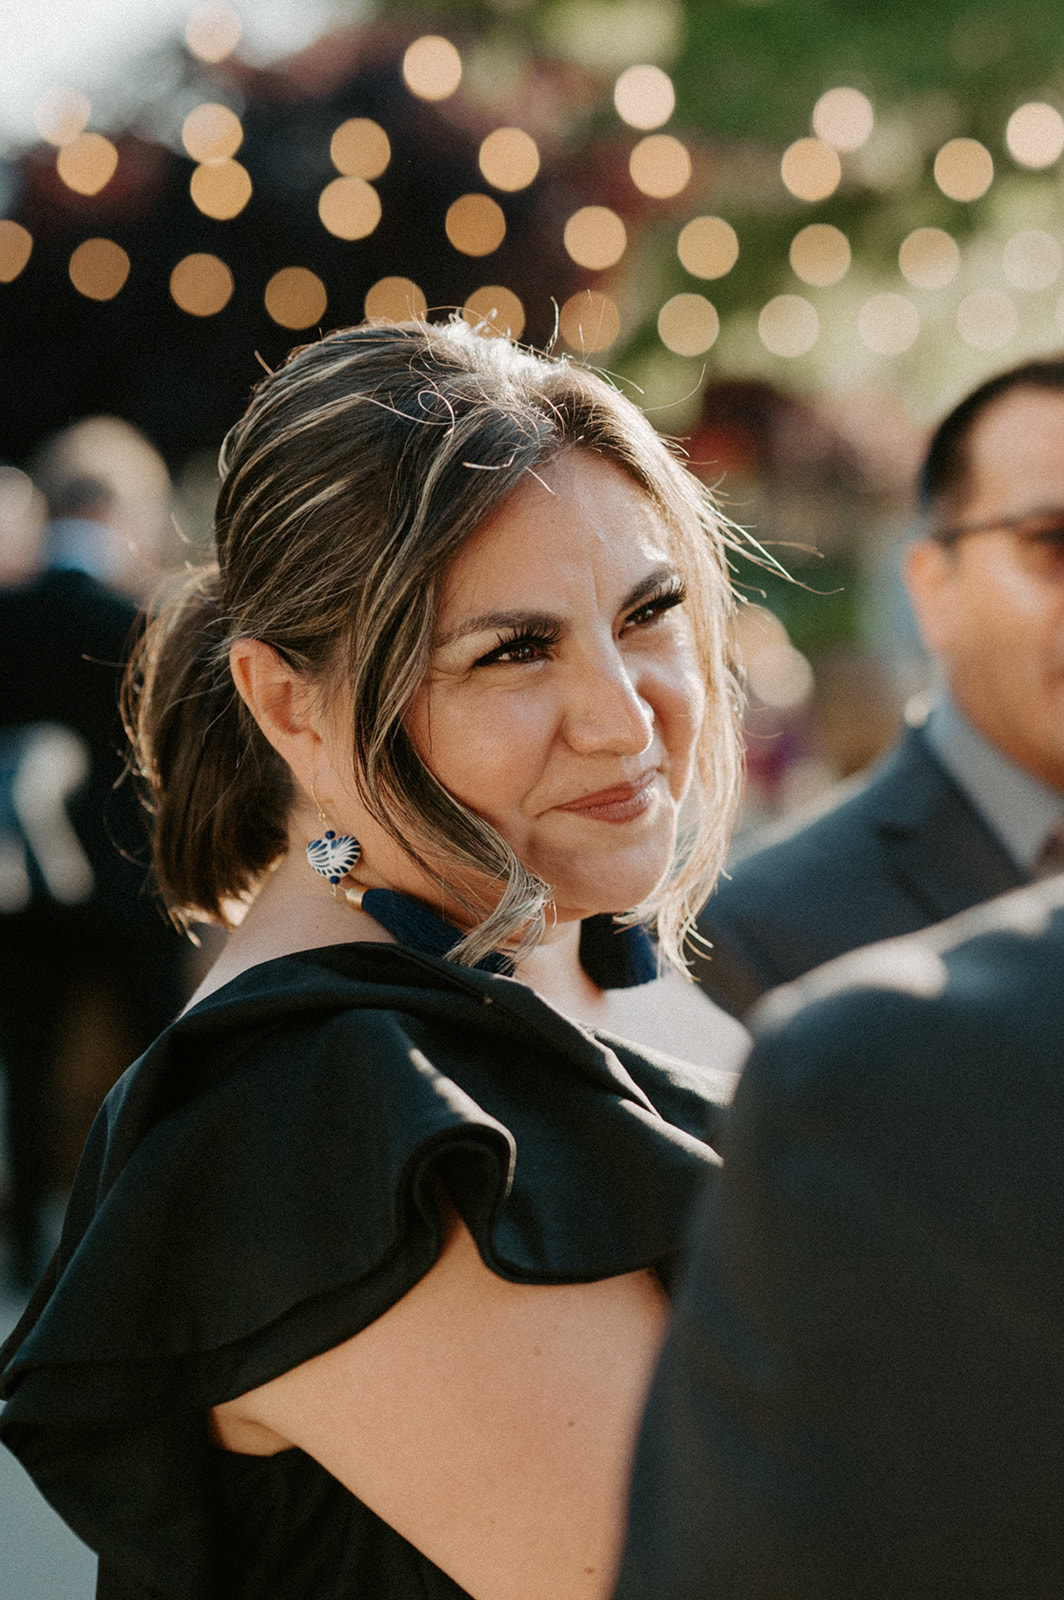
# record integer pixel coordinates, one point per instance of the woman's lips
(622, 803)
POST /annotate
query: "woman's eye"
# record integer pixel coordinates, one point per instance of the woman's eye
(651, 610)
(525, 648)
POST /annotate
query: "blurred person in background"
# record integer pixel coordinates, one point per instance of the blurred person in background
(970, 803)
(91, 968)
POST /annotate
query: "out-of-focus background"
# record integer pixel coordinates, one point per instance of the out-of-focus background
(797, 231)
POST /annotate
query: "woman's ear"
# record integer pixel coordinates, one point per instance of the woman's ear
(279, 699)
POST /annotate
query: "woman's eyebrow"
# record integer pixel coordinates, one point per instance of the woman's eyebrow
(656, 580)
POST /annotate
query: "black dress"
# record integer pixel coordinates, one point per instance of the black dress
(255, 1190)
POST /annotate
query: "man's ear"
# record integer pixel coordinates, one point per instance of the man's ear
(929, 571)
(279, 699)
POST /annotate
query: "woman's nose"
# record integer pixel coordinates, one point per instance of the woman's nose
(606, 711)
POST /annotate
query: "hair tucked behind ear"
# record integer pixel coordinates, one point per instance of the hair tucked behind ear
(218, 791)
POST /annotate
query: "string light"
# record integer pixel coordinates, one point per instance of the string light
(820, 254)
(595, 237)
(349, 208)
(201, 284)
(360, 148)
(296, 298)
(509, 159)
(213, 32)
(644, 97)
(61, 114)
(888, 324)
(99, 268)
(589, 321)
(88, 163)
(16, 247)
(495, 310)
(964, 169)
(986, 319)
(432, 68)
(220, 189)
(394, 300)
(688, 324)
(211, 132)
(660, 166)
(1031, 260)
(843, 118)
(475, 224)
(788, 326)
(929, 258)
(810, 169)
(1035, 134)
(708, 247)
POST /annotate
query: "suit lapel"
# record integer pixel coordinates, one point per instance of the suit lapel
(935, 840)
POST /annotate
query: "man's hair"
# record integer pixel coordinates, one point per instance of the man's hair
(944, 473)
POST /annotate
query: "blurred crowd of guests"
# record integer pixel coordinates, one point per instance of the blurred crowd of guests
(92, 970)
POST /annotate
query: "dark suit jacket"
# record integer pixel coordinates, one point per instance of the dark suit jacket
(902, 849)
(862, 1393)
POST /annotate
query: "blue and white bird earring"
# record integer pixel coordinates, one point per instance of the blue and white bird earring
(333, 855)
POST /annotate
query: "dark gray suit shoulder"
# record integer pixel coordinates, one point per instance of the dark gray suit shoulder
(894, 852)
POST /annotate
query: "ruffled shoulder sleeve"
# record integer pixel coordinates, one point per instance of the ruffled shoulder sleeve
(255, 1190)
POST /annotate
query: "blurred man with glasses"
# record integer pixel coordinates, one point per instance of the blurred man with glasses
(971, 804)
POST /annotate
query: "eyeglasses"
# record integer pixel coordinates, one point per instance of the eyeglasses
(1038, 537)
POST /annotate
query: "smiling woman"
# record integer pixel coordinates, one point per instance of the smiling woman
(373, 1297)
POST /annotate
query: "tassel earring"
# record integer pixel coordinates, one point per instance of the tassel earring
(333, 855)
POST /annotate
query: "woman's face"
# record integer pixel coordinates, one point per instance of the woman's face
(564, 696)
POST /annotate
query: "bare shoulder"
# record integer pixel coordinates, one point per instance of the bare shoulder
(490, 1423)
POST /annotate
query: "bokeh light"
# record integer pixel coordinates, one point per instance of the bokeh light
(595, 237)
(211, 132)
(476, 224)
(509, 159)
(660, 166)
(888, 324)
(820, 254)
(788, 326)
(88, 163)
(201, 284)
(810, 169)
(1035, 134)
(964, 169)
(589, 321)
(99, 269)
(986, 319)
(61, 114)
(296, 298)
(1031, 260)
(929, 258)
(708, 247)
(349, 208)
(16, 247)
(213, 32)
(220, 189)
(395, 300)
(843, 118)
(779, 676)
(432, 67)
(688, 324)
(644, 97)
(495, 310)
(360, 148)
